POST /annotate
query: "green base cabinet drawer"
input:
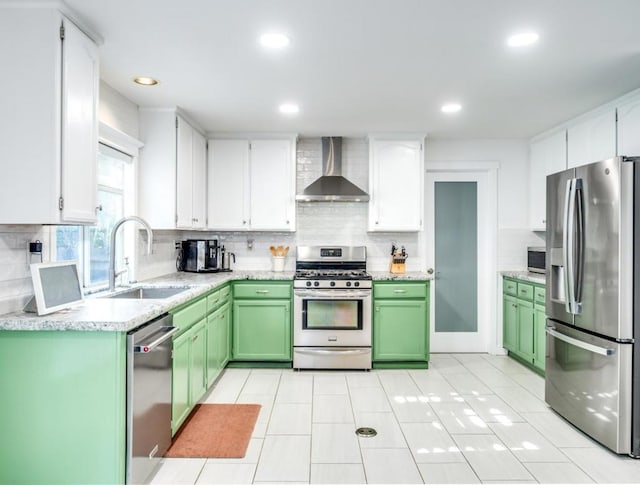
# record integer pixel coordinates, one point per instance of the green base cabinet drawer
(261, 330)
(262, 290)
(525, 291)
(539, 296)
(400, 331)
(385, 290)
(509, 287)
(217, 298)
(186, 316)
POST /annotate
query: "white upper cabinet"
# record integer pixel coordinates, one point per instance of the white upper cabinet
(49, 131)
(172, 171)
(199, 185)
(228, 190)
(592, 140)
(272, 171)
(629, 128)
(251, 184)
(396, 181)
(546, 156)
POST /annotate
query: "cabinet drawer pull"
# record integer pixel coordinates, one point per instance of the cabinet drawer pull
(195, 337)
(262, 292)
(399, 291)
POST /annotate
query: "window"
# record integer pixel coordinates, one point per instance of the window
(90, 245)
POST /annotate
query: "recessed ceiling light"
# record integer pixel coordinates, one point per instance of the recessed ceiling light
(451, 108)
(145, 81)
(522, 39)
(289, 108)
(274, 40)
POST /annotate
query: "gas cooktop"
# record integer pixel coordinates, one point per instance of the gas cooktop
(331, 274)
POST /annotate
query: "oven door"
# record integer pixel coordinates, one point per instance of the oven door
(332, 318)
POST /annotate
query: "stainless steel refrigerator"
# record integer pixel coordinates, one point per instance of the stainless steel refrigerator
(592, 300)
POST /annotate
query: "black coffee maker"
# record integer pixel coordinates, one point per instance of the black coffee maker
(200, 256)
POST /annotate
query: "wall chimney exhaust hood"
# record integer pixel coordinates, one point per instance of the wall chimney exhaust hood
(332, 186)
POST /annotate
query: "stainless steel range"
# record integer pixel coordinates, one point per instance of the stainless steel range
(331, 308)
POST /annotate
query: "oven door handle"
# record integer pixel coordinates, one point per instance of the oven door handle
(334, 351)
(333, 294)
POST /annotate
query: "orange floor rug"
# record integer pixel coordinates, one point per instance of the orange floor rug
(215, 431)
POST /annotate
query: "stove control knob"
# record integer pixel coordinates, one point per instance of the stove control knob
(333, 283)
(357, 283)
(308, 283)
(316, 283)
(348, 283)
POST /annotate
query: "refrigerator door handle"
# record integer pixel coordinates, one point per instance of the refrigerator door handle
(567, 245)
(606, 351)
(579, 259)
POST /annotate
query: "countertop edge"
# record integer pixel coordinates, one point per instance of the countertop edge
(526, 276)
(121, 315)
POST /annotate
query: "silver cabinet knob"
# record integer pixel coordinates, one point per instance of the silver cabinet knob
(430, 271)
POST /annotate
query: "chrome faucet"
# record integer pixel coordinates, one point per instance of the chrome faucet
(112, 248)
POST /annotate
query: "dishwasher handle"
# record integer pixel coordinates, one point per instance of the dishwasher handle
(145, 348)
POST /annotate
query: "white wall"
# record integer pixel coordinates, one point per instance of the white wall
(513, 189)
(117, 111)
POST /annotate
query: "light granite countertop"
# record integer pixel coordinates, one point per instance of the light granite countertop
(525, 275)
(408, 276)
(122, 315)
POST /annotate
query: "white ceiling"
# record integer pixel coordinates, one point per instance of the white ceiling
(362, 66)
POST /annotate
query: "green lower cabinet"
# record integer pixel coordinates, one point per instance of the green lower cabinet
(180, 394)
(63, 407)
(217, 342)
(262, 330)
(540, 337)
(510, 323)
(198, 362)
(189, 373)
(400, 324)
(224, 336)
(400, 331)
(523, 318)
(525, 330)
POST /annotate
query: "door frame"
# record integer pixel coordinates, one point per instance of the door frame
(487, 245)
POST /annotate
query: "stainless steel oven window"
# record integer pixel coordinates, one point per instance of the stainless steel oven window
(332, 314)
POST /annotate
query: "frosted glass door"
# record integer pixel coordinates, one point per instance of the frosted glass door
(456, 257)
(460, 250)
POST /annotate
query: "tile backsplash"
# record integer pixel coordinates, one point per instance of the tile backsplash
(15, 277)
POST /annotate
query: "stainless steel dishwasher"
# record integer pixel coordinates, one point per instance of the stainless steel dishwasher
(149, 371)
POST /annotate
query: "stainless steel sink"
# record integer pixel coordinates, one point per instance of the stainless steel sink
(149, 292)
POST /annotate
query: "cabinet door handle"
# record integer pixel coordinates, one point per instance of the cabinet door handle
(377, 308)
(399, 291)
(262, 292)
(195, 337)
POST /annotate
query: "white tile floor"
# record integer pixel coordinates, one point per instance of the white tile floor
(470, 418)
